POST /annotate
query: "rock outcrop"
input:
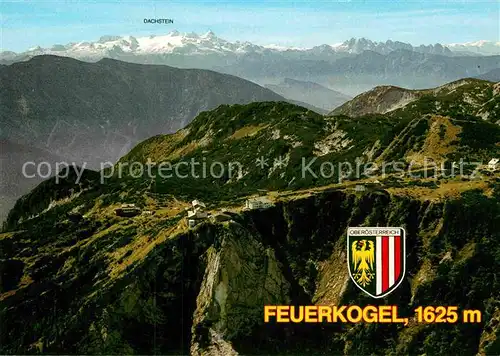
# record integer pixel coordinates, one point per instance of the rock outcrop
(241, 277)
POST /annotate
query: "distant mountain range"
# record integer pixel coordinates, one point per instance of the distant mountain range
(350, 67)
(358, 73)
(191, 43)
(476, 48)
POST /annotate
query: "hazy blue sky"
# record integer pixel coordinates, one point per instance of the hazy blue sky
(25, 24)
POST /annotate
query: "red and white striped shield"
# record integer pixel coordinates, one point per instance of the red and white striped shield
(376, 258)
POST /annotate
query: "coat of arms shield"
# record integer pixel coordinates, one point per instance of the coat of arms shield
(376, 258)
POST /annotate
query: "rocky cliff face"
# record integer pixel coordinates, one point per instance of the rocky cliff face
(241, 273)
(203, 291)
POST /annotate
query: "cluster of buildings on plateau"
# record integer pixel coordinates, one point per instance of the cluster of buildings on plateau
(197, 212)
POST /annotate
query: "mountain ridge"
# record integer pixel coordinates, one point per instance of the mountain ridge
(53, 69)
(385, 99)
(91, 113)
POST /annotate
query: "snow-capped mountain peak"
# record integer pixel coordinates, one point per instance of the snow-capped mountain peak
(172, 42)
(209, 35)
(478, 47)
(358, 45)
